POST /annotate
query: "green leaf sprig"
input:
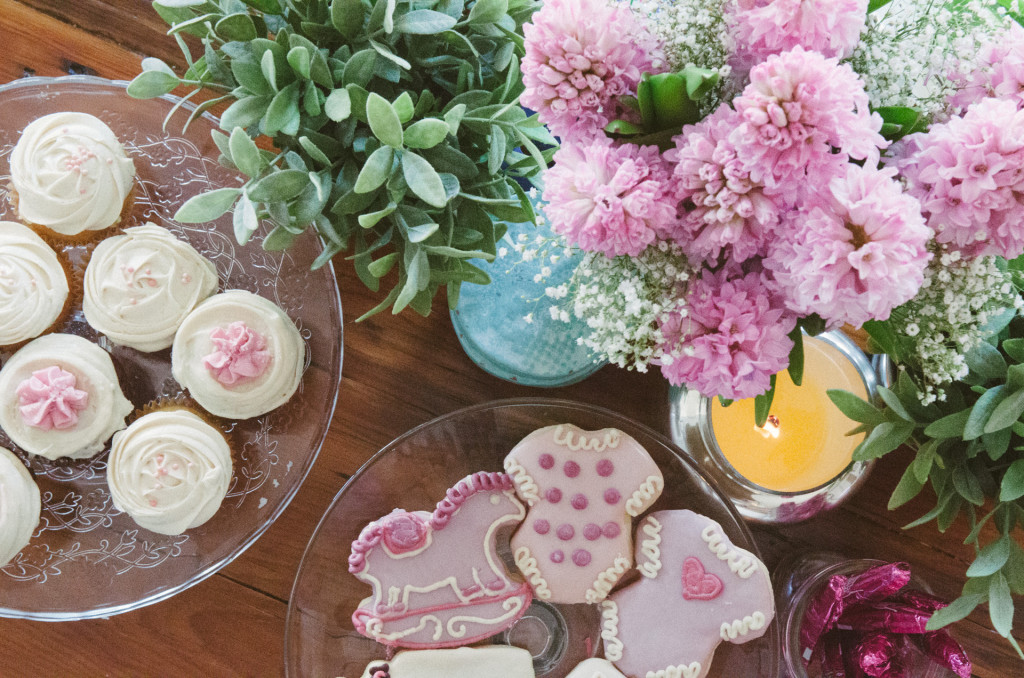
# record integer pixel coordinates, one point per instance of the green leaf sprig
(396, 123)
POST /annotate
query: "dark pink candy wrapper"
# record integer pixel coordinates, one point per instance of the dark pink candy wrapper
(824, 609)
(942, 649)
(876, 584)
(920, 600)
(830, 654)
(881, 655)
(889, 616)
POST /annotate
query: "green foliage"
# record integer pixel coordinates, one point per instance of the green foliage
(396, 122)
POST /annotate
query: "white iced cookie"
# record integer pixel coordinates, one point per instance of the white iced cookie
(595, 668)
(61, 397)
(140, 286)
(33, 285)
(70, 173)
(19, 506)
(169, 471)
(238, 354)
(462, 662)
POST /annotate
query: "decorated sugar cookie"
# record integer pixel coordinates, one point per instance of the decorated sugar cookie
(463, 662)
(436, 577)
(595, 668)
(700, 588)
(583, 488)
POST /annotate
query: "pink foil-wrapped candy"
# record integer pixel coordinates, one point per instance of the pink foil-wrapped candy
(50, 400)
(888, 616)
(881, 655)
(944, 650)
(240, 353)
(919, 600)
(875, 584)
(821, 615)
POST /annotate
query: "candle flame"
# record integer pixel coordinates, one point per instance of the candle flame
(771, 429)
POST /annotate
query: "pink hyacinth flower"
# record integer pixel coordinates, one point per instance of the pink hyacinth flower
(50, 400)
(766, 27)
(240, 354)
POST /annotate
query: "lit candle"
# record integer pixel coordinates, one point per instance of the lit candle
(803, 444)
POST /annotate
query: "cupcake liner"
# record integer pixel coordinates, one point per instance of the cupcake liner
(85, 237)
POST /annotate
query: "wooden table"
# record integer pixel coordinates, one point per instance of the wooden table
(398, 372)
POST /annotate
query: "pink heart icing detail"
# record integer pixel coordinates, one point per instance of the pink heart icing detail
(697, 583)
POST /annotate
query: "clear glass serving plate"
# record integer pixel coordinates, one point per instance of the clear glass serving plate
(87, 559)
(414, 471)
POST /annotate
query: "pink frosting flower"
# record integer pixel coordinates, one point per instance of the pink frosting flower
(999, 72)
(855, 251)
(240, 353)
(722, 207)
(798, 110)
(610, 199)
(968, 174)
(49, 400)
(733, 339)
(580, 56)
(766, 27)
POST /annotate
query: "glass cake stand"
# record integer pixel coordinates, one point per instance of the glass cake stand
(413, 473)
(86, 558)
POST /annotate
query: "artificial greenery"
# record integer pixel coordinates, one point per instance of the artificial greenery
(398, 130)
(969, 449)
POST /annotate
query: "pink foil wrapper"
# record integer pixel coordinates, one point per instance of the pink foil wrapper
(944, 650)
(848, 642)
(876, 584)
(889, 617)
(881, 655)
(821, 615)
(829, 653)
(920, 600)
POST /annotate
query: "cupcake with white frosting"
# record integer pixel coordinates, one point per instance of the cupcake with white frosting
(238, 354)
(70, 174)
(169, 471)
(139, 286)
(33, 285)
(60, 397)
(19, 506)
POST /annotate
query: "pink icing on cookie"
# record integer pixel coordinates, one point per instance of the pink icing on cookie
(579, 501)
(240, 353)
(612, 496)
(697, 583)
(403, 532)
(49, 400)
(541, 526)
(605, 468)
(553, 495)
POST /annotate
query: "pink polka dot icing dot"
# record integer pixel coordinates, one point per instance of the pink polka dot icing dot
(546, 461)
(565, 532)
(611, 530)
(592, 531)
(541, 526)
(571, 468)
(557, 556)
(554, 495)
(579, 501)
(581, 557)
(605, 468)
(612, 496)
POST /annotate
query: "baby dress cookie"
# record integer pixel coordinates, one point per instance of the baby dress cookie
(437, 579)
(700, 589)
(463, 662)
(595, 668)
(582, 488)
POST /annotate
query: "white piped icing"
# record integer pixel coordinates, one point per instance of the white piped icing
(71, 173)
(527, 487)
(140, 286)
(33, 285)
(169, 471)
(19, 506)
(595, 668)
(606, 581)
(645, 495)
(575, 439)
(741, 627)
(527, 564)
(94, 374)
(491, 661)
(741, 564)
(649, 548)
(693, 670)
(610, 630)
(246, 398)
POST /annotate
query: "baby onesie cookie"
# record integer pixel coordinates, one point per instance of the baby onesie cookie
(463, 662)
(437, 579)
(698, 586)
(595, 668)
(582, 488)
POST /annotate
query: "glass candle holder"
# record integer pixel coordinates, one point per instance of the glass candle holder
(798, 579)
(800, 463)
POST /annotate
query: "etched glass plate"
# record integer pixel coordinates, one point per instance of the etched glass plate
(414, 471)
(87, 559)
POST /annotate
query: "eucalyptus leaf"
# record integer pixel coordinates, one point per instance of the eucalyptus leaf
(300, 60)
(338, 105)
(423, 179)
(954, 612)
(150, 84)
(1012, 486)
(238, 27)
(207, 206)
(376, 170)
(244, 153)
(404, 107)
(279, 186)
(425, 133)
(278, 239)
(283, 112)
(991, 558)
(487, 11)
(359, 69)
(908, 488)
(1006, 412)
(382, 266)
(982, 411)
(424, 22)
(383, 120)
(883, 439)
(244, 219)
(950, 426)
(347, 16)
(855, 408)
(1000, 605)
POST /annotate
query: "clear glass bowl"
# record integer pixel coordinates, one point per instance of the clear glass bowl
(87, 559)
(414, 471)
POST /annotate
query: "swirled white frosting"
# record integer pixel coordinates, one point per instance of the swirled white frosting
(94, 373)
(71, 173)
(169, 471)
(248, 397)
(140, 286)
(33, 285)
(19, 506)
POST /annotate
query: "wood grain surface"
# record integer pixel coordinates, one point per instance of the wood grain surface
(398, 373)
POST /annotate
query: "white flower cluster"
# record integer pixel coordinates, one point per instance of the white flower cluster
(621, 300)
(911, 47)
(948, 317)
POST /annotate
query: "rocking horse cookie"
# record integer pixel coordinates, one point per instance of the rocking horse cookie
(700, 588)
(436, 577)
(583, 488)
